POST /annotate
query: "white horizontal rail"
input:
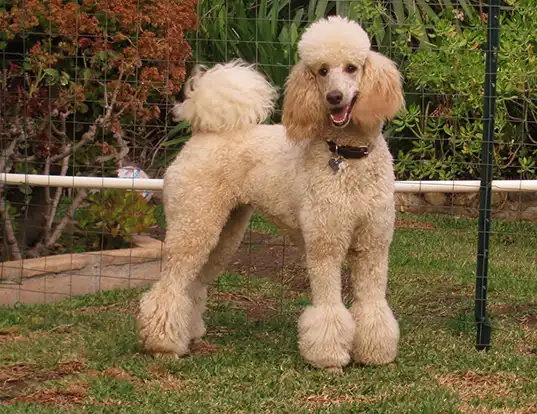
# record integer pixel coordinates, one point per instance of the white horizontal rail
(470, 186)
(82, 182)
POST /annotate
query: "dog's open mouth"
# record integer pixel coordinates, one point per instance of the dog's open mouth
(341, 117)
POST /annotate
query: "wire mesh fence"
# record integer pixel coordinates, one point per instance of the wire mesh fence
(87, 89)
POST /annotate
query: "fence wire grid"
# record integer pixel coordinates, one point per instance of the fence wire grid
(87, 88)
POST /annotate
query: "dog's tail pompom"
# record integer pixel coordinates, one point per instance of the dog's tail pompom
(227, 97)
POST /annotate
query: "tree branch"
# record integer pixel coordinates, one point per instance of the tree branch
(17, 134)
(47, 244)
(5, 166)
(87, 137)
(11, 240)
(54, 206)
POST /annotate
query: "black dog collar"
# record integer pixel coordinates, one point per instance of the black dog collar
(347, 151)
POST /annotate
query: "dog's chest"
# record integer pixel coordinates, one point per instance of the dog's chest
(343, 186)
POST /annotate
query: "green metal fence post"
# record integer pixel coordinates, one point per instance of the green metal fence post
(483, 324)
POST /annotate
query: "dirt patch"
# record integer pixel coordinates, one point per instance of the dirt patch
(479, 386)
(333, 397)
(442, 300)
(525, 317)
(118, 373)
(264, 255)
(505, 308)
(11, 334)
(530, 408)
(95, 309)
(257, 309)
(74, 394)
(410, 224)
(20, 383)
(529, 321)
(161, 377)
(259, 254)
(20, 377)
(527, 344)
(159, 373)
(200, 347)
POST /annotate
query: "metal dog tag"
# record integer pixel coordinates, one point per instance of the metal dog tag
(335, 163)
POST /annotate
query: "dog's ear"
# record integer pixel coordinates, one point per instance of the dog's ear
(303, 111)
(380, 95)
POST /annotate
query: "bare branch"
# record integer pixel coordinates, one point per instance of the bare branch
(104, 158)
(47, 244)
(18, 158)
(79, 198)
(54, 206)
(123, 151)
(17, 134)
(87, 137)
(46, 171)
(9, 233)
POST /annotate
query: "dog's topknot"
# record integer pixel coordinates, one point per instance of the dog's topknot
(334, 40)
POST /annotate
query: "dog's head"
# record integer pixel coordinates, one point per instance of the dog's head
(339, 80)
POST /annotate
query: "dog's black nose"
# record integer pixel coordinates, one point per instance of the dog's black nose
(334, 97)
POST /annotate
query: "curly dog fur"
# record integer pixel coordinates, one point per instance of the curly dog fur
(339, 91)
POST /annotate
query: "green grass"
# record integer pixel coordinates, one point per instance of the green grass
(82, 355)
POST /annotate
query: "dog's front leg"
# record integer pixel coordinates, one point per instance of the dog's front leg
(326, 329)
(377, 330)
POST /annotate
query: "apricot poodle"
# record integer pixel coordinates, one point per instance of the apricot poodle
(325, 177)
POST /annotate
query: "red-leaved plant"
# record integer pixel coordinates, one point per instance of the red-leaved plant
(83, 88)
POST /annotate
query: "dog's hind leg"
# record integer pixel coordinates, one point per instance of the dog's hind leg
(166, 311)
(230, 239)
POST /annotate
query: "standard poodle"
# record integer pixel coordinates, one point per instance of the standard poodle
(325, 177)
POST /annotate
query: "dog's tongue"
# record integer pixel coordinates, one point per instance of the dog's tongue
(339, 114)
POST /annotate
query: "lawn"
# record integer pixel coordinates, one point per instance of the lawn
(82, 355)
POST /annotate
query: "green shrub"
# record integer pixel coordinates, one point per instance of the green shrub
(440, 49)
(445, 86)
(119, 214)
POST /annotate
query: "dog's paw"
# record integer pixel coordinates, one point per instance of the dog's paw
(166, 355)
(377, 335)
(334, 370)
(325, 336)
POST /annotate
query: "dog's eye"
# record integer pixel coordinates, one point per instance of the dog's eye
(323, 71)
(351, 69)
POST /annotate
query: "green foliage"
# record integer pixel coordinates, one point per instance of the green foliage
(440, 49)
(264, 31)
(445, 86)
(118, 213)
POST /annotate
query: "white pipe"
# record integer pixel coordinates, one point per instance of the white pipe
(464, 186)
(82, 182)
(469, 186)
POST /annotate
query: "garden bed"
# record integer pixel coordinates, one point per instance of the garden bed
(50, 278)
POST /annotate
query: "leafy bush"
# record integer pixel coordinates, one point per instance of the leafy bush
(116, 214)
(440, 49)
(113, 64)
(445, 81)
(263, 31)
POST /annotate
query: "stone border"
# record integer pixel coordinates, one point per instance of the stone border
(51, 278)
(508, 206)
